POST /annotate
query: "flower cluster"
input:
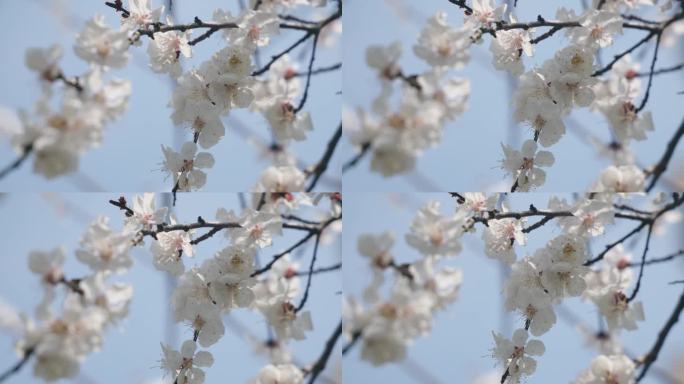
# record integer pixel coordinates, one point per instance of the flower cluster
(60, 340)
(229, 280)
(203, 96)
(545, 94)
(397, 135)
(537, 284)
(420, 289)
(67, 122)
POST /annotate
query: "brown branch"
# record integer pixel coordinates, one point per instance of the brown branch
(153, 28)
(320, 70)
(18, 162)
(18, 365)
(311, 31)
(662, 70)
(677, 201)
(322, 361)
(319, 270)
(661, 166)
(355, 160)
(356, 336)
(461, 3)
(201, 223)
(322, 164)
(305, 95)
(643, 262)
(657, 260)
(619, 56)
(311, 268)
(652, 355)
(650, 76)
(315, 231)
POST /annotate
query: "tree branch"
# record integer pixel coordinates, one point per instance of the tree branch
(643, 262)
(322, 361)
(322, 164)
(19, 364)
(18, 162)
(652, 355)
(311, 268)
(661, 166)
(355, 160)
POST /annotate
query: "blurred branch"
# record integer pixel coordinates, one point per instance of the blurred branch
(652, 355)
(322, 165)
(322, 361)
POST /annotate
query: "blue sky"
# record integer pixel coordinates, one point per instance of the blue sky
(130, 156)
(44, 221)
(457, 349)
(468, 156)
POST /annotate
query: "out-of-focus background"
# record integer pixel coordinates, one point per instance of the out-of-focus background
(130, 156)
(468, 156)
(131, 352)
(458, 348)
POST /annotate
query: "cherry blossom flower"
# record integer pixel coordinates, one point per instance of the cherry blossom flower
(441, 45)
(286, 123)
(433, 234)
(279, 374)
(102, 45)
(515, 354)
(165, 51)
(281, 179)
(618, 312)
(184, 366)
(145, 215)
(624, 178)
(169, 249)
(286, 322)
(598, 28)
(614, 369)
(141, 14)
(103, 249)
(499, 238)
(185, 167)
(525, 165)
(45, 61)
(255, 29)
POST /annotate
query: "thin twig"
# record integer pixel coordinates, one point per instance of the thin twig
(643, 263)
(18, 365)
(322, 164)
(18, 162)
(652, 355)
(322, 361)
(355, 160)
(311, 268)
(662, 164)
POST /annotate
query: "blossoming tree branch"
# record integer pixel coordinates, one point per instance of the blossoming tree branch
(402, 299)
(71, 320)
(400, 125)
(229, 79)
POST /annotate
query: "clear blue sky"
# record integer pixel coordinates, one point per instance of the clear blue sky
(44, 221)
(130, 156)
(468, 156)
(457, 350)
